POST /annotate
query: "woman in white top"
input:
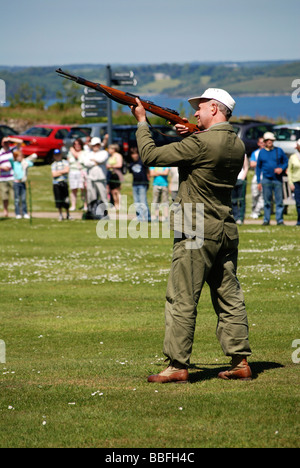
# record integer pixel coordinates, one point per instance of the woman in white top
(75, 158)
(115, 176)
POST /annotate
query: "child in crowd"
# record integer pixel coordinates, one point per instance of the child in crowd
(60, 170)
(20, 168)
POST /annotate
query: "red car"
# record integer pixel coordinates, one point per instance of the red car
(43, 140)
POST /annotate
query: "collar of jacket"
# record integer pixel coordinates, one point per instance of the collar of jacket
(217, 126)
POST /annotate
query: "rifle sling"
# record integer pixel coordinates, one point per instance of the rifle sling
(155, 129)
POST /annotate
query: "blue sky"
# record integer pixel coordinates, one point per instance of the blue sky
(61, 32)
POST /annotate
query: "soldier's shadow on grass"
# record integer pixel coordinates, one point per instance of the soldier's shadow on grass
(211, 371)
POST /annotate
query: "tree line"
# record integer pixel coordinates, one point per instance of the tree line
(38, 85)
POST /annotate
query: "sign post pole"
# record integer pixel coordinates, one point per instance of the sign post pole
(109, 107)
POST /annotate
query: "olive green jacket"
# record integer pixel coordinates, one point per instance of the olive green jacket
(209, 163)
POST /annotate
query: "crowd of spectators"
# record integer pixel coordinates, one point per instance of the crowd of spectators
(95, 169)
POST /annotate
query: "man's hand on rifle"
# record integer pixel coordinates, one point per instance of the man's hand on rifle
(181, 130)
(139, 111)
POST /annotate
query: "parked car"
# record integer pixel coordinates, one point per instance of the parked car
(82, 131)
(5, 130)
(124, 135)
(43, 140)
(286, 137)
(249, 130)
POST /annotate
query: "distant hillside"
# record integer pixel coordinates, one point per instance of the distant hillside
(179, 80)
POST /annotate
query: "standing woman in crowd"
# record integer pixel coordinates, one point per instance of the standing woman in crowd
(6, 169)
(294, 177)
(115, 176)
(76, 180)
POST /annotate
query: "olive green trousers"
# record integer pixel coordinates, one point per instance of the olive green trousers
(215, 262)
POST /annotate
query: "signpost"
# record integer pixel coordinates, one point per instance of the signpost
(95, 104)
(116, 79)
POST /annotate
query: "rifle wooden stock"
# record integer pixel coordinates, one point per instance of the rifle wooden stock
(130, 100)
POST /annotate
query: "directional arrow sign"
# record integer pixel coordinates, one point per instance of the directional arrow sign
(89, 91)
(93, 98)
(99, 105)
(122, 75)
(124, 82)
(99, 113)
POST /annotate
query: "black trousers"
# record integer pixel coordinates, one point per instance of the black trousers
(61, 195)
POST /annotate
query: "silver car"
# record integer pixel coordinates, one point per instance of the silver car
(82, 131)
(287, 136)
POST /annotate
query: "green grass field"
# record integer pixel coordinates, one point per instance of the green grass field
(82, 319)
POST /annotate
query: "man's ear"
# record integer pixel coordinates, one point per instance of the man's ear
(214, 108)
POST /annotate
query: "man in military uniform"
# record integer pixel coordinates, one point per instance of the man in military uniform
(209, 162)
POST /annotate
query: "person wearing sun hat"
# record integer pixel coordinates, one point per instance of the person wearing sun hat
(271, 165)
(95, 164)
(209, 162)
(216, 94)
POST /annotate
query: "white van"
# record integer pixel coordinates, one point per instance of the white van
(286, 137)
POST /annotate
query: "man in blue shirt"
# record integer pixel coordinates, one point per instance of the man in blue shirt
(271, 165)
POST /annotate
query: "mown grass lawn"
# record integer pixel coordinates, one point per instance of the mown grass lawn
(82, 319)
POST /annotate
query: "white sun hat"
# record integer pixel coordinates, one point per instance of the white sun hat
(214, 93)
(95, 141)
(269, 136)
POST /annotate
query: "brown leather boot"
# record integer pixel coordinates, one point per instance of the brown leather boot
(170, 374)
(239, 370)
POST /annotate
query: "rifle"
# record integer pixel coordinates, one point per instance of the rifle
(129, 99)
